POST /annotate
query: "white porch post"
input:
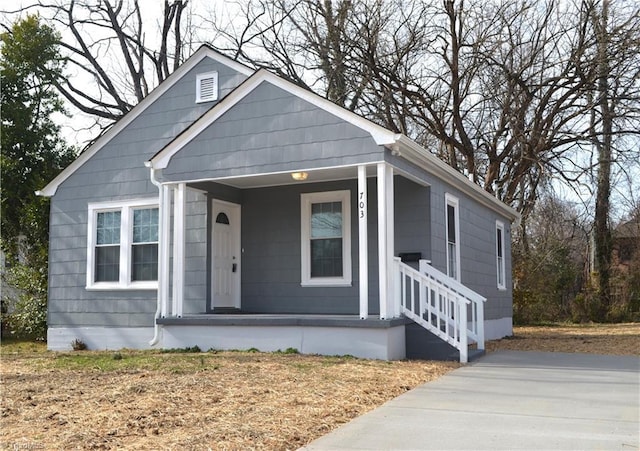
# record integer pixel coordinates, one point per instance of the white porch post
(393, 303)
(363, 254)
(163, 249)
(178, 248)
(388, 307)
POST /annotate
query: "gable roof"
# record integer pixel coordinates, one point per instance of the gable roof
(160, 160)
(203, 52)
(400, 144)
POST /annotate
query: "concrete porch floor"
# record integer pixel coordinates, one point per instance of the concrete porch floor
(281, 319)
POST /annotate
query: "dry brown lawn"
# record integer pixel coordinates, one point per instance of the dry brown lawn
(223, 400)
(616, 339)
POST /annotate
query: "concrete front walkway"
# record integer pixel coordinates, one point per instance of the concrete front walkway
(509, 400)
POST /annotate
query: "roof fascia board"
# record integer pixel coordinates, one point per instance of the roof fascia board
(380, 135)
(202, 53)
(413, 152)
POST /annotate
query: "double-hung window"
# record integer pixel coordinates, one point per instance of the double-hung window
(326, 238)
(122, 242)
(453, 236)
(500, 255)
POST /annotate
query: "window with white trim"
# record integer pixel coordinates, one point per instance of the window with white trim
(500, 265)
(452, 225)
(122, 245)
(326, 238)
(206, 87)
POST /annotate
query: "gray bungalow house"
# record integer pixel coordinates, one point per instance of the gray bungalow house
(232, 209)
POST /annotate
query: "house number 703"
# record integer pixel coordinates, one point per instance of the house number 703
(362, 205)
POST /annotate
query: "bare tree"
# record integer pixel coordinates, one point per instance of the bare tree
(615, 114)
(108, 43)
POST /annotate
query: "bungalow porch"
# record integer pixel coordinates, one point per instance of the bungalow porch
(251, 258)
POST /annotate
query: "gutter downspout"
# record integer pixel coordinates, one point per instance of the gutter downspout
(156, 327)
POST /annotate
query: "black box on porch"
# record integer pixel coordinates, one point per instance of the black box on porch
(410, 257)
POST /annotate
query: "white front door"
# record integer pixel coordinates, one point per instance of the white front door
(225, 252)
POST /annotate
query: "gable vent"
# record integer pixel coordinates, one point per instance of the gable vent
(207, 87)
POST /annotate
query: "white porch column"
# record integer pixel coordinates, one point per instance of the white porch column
(163, 249)
(178, 248)
(388, 309)
(393, 304)
(363, 254)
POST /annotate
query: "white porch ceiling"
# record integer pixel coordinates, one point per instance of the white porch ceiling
(284, 178)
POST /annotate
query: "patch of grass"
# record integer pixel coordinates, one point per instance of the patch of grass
(104, 361)
(187, 350)
(21, 346)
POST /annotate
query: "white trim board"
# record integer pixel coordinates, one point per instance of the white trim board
(202, 53)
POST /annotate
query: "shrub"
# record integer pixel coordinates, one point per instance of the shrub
(24, 312)
(78, 345)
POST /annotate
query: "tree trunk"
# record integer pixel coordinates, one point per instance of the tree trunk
(602, 232)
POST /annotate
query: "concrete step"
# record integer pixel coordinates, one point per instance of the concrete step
(424, 345)
(226, 310)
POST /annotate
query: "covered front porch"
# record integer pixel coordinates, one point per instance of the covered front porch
(255, 251)
(257, 272)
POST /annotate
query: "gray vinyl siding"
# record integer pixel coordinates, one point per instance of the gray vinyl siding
(271, 268)
(478, 269)
(271, 130)
(271, 247)
(412, 227)
(117, 172)
(195, 267)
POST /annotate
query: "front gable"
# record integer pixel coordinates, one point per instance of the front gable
(270, 130)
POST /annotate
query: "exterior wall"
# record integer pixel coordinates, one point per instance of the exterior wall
(386, 343)
(271, 130)
(99, 338)
(412, 225)
(478, 268)
(116, 172)
(196, 233)
(383, 344)
(271, 260)
(477, 245)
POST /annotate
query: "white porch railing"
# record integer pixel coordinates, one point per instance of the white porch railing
(441, 305)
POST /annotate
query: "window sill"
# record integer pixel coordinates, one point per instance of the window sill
(122, 287)
(326, 283)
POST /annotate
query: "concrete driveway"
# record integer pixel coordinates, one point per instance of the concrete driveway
(509, 400)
